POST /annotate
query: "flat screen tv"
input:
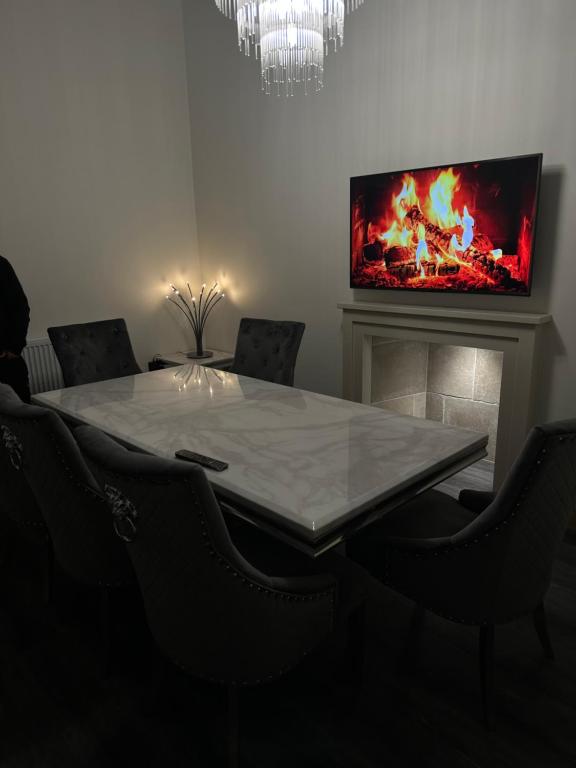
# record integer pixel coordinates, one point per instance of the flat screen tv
(466, 227)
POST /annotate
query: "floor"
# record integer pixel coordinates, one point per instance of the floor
(479, 477)
(58, 709)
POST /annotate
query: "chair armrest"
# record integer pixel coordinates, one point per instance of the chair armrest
(476, 501)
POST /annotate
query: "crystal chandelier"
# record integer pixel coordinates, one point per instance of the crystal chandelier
(290, 37)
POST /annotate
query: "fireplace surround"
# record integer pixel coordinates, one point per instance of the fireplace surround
(515, 334)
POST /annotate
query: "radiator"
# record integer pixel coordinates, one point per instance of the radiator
(43, 366)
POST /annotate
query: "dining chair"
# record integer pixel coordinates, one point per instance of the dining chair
(74, 508)
(266, 349)
(210, 611)
(97, 351)
(486, 559)
(18, 505)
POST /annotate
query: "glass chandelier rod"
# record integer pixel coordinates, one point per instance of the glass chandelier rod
(289, 37)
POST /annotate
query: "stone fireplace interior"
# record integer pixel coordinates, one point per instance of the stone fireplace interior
(456, 385)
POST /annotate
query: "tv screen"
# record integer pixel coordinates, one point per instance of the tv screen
(466, 227)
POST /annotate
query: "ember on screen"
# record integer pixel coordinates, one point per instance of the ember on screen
(467, 227)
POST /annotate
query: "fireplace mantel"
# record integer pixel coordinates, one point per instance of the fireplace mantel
(474, 315)
(516, 334)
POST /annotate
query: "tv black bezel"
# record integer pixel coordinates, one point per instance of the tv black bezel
(476, 292)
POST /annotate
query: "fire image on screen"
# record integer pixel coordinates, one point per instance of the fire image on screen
(467, 227)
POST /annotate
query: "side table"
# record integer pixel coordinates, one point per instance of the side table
(171, 359)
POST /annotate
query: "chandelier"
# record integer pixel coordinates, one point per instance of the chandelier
(290, 37)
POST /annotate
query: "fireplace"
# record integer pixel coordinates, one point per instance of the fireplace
(500, 349)
(454, 385)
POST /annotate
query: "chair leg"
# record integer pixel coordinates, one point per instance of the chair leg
(48, 587)
(356, 646)
(416, 627)
(233, 727)
(105, 629)
(411, 651)
(541, 626)
(486, 658)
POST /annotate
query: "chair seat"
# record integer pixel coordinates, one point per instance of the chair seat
(432, 515)
(476, 501)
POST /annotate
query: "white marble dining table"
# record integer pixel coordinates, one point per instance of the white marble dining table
(307, 467)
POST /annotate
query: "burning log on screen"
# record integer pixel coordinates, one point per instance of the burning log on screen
(429, 268)
(480, 253)
(403, 271)
(434, 235)
(398, 255)
(448, 268)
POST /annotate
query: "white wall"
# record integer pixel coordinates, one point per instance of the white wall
(419, 82)
(96, 191)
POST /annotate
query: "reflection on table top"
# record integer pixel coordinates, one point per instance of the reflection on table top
(304, 460)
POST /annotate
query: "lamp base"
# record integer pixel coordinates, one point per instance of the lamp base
(203, 356)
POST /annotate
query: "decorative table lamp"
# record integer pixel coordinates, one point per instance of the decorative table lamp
(197, 313)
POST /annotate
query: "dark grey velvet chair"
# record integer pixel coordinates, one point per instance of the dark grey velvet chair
(17, 502)
(485, 559)
(73, 507)
(89, 352)
(266, 349)
(210, 611)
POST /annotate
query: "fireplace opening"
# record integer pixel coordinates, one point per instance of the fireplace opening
(454, 385)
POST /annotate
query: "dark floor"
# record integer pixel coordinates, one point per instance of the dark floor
(58, 711)
(478, 477)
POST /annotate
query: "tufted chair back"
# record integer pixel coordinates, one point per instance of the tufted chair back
(17, 502)
(72, 505)
(267, 349)
(90, 352)
(499, 565)
(209, 610)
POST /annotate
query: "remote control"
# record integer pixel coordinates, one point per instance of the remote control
(204, 461)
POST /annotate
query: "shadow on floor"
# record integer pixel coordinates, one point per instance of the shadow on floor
(58, 711)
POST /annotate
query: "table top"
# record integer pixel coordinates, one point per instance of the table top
(303, 461)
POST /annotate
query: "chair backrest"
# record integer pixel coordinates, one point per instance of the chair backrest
(17, 502)
(267, 349)
(519, 533)
(209, 610)
(72, 505)
(90, 352)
